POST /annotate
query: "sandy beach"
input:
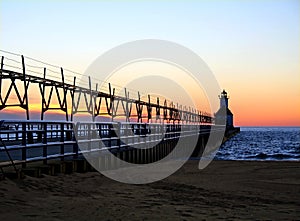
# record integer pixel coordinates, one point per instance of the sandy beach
(229, 190)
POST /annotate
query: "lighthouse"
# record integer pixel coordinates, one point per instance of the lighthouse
(224, 115)
(223, 99)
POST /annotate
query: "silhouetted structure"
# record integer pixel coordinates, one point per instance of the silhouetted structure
(224, 115)
(86, 96)
(153, 124)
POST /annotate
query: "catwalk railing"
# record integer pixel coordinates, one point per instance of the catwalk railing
(156, 122)
(77, 93)
(28, 141)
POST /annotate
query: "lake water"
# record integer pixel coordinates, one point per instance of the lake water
(263, 143)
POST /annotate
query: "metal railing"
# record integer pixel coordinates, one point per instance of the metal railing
(28, 141)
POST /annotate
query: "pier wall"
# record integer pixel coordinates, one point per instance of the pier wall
(24, 142)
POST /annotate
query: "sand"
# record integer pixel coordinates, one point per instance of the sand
(228, 190)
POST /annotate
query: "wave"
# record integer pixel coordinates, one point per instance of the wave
(278, 156)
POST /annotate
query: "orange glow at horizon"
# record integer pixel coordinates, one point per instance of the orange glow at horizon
(245, 114)
(264, 108)
(258, 101)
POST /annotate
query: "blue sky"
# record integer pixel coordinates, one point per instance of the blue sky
(247, 44)
(213, 29)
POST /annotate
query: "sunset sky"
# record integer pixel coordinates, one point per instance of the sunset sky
(252, 47)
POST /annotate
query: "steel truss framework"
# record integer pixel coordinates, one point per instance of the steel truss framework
(93, 99)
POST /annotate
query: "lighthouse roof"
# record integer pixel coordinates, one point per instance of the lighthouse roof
(224, 92)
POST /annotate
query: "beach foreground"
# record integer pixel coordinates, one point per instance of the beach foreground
(240, 190)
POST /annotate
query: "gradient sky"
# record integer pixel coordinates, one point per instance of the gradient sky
(252, 47)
